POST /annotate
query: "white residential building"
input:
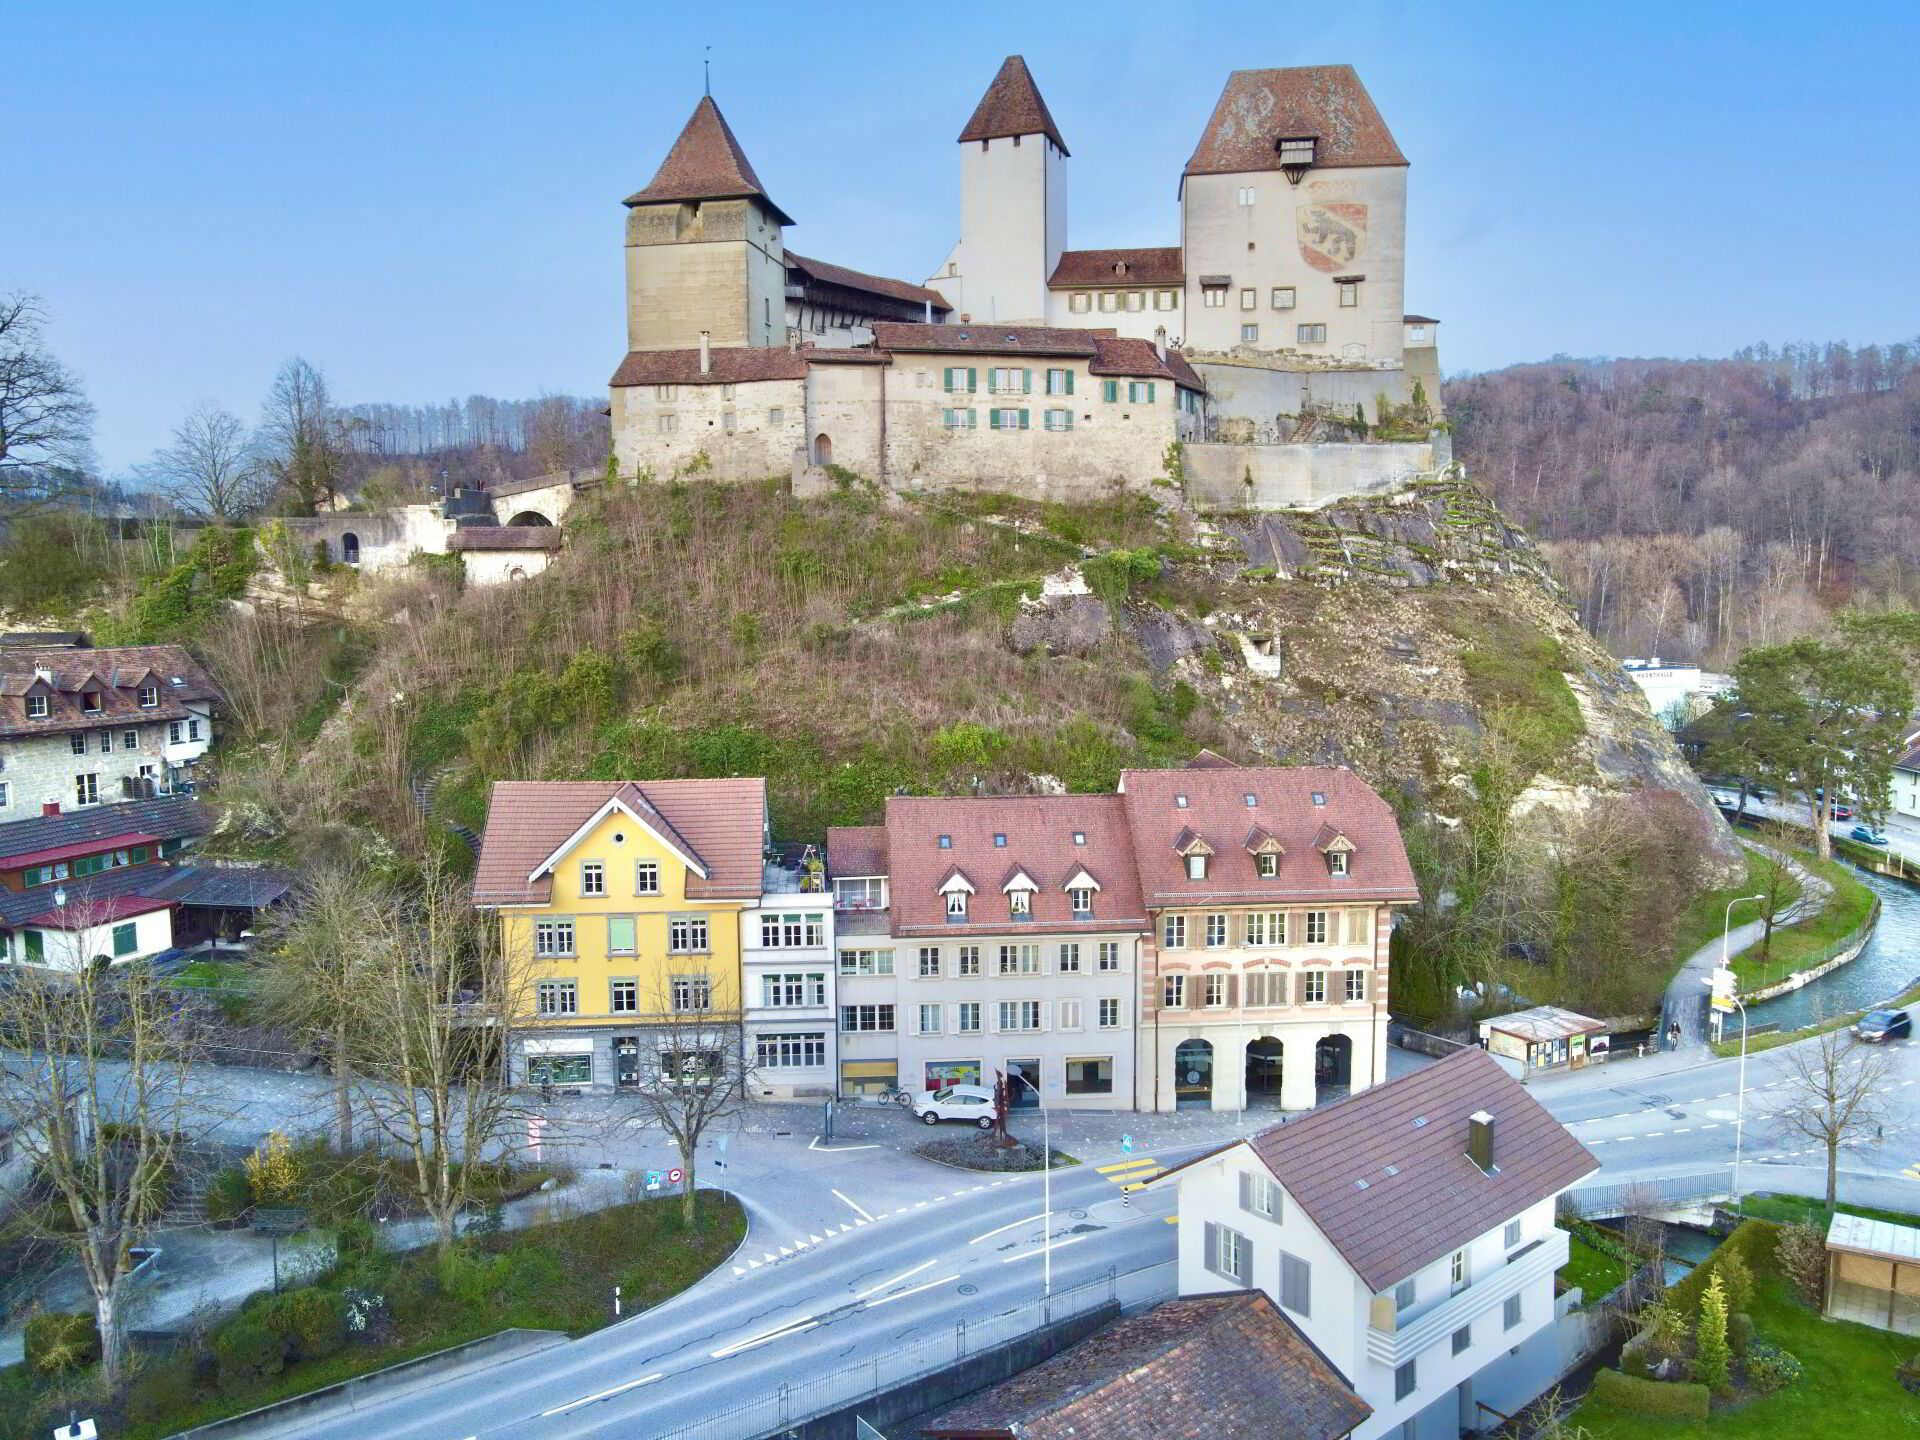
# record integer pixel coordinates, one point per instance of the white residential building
(1409, 1232)
(787, 963)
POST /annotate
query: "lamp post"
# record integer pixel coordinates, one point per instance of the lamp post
(1046, 1204)
(1726, 988)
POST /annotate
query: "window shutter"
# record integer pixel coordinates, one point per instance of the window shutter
(1196, 991)
(1246, 1190)
(1149, 392)
(953, 1019)
(946, 379)
(1023, 419)
(993, 419)
(1333, 927)
(993, 1016)
(1067, 415)
(1233, 992)
(1243, 1255)
(1277, 981)
(1069, 382)
(1046, 1015)
(973, 379)
(1110, 391)
(1212, 1256)
(1026, 382)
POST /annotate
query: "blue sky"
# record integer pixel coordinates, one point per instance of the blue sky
(424, 198)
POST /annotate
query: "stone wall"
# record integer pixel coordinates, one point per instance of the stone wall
(769, 416)
(1251, 390)
(387, 539)
(41, 769)
(1291, 477)
(718, 266)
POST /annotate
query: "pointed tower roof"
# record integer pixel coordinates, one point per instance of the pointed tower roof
(706, 163)
(1012, 106)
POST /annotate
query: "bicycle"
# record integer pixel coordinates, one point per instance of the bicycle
(894, 1095)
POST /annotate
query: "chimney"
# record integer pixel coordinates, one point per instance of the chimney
(1160, 341)
(51, 807)
(1480, 1141)
(41, 672)
(706, 355)
(929, 312)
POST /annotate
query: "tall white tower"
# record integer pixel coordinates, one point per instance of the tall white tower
(1013, 205)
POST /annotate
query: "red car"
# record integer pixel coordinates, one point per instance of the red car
(1843, 812)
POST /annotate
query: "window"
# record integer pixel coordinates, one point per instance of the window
(1109, 1014)
(1463, 1339)
(1057, 420)
(1228, 1255)
(929, 962)
(1140, 392)
(1512, 1237)
(1166, 299)
(1268, 865)
(792, 932)
(969, 1017)
(1173, 992)
(967, 962)
(1019, 959)
(999, 841)
(862, 893)
(1216, 931)
(1336, 862)
(129, 739)
(621, 939)
(1266, 987)
(930, 1019)
(1310, 334)
(1404, 1294)
(1090, 1076)
(557, 997)
(1173, 932)
(1059, 382)
(691, 992)
(1109, 955)
(86, 789)
(866, 962)
(789, 989)
(1110, 391)
(90, 701)
(1316, 927)
(945, 842)
(1349, 291)
(1246, 195)
(1196, 867)
(1511, 1316)
(958, 378)
(1267, 927)
(1008, 380)
(1457, 1272)
(193, 729)
(1296, 152)
(624, 997)
(1283, 297)
(726, 392)
(663, 392)
(1109, 300)
(729, 422)
(1216, 991)
(5, 794)
(1007, 419)
(175, 731)
(1081, 302)
(855, 1018)
(1019, 902)
(646, 878)
(37, 708)
(1404, 1381)
(77, 743)
(791, 1052)
(1082, 901)
(1249, 334)
(1069, 1016)
(1136, 300)
(1214, 297)
(687, 934)
(1070, 959)
(776, 415)
(666, 424)
(126, 939)
(1019, 1014)
(1313, 987)
(1356, 986)
(1249, 297)
(959, 420)
(593, 878)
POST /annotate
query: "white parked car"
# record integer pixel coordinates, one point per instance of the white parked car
(957, 1102)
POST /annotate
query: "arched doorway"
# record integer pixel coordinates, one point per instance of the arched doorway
(530, 517)
(822, 449)
(1263, 1072)
(1332, 1068)
(350, 548)
(1193, 1075)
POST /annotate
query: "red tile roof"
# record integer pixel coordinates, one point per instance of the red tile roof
(847, 279)
(1418, 320)
(1162, 265)
(84, 914)
(114, 672)
(722, 821)
(706, 163)
(1217, 809)
(1128, 355)
(984, 339)
(1012, 106)
(78, 848)
(1259, 108)
(1039, 832)
(1208, 1367)
(728, 365)
(856, 850)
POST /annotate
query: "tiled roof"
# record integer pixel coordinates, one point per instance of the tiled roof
(1418, 320)
(115, 671)
(40, 639)
(1039, 831)
(168, 817)
(985, 339)
(706, 163)
(1159, 265)
(505, 537)
(1544, 1022)
(1129, 355)
(1012, 106)
(86, 912)
(1209, 1367)
(224, 887)
(723, 821)
(95, 897)
(857, 850)
(1434, 1199)
(727, 365)
(847, 279)
(1259, 108)
(1217, 809)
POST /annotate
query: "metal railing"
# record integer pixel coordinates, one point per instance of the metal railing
(1593, 1201)
(798, 1401)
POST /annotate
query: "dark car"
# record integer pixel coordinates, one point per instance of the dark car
(1878, 1026)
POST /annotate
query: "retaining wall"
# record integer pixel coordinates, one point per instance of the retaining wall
(1298, 477)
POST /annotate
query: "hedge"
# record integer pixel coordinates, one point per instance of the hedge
(1752, 1240)
(56, 1342)
(1661, 1399)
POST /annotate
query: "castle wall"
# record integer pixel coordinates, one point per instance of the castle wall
(387, 538)
(1282, 477)
(769, 416)
(717, 266)
(843, 403)
(1159, 306)
(1259, 394)
(501, 567)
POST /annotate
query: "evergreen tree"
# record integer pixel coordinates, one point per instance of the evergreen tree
(1711, 1357)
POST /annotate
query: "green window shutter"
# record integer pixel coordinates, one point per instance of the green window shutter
(993, 419)
(1026, 382)
(36, 945)
(973, 380)
(1023, 419)
(1110, 391)
(1149, 392)
(1069, 382)
(1067, 415)
(947, 379)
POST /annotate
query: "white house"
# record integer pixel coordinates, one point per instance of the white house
(1676, 691)
(1409, 1232)
(787, 963)
(1903, 796)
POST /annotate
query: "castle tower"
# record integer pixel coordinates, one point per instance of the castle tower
(1013, 205)
(704, 250)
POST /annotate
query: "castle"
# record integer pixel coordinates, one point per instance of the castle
(1249, 359)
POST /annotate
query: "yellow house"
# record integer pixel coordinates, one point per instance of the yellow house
(620, 911)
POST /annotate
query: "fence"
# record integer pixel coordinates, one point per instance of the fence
(1658, 1193)
(802, 1400)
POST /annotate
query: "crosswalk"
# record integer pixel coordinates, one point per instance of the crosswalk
(1912, 1172)
(1130, 1175)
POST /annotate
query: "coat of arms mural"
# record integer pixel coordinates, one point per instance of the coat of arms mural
(1332, 234)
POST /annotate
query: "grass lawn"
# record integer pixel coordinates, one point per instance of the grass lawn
(1704, 918)
(1803, 943)
(1849, 1386)
(1800, 1210)
(1594, 1271)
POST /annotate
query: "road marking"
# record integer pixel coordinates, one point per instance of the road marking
(739, 1269)
(601, 1395)
(793, 1327)
(1655, 1134)
(1170, 1219)
(1124, 1165)
(888, 1284)
(814, 1144)
(1015, 1225)
(931, 1284)
(1036, 1254)
(1912, 1172)
(1687, 1131)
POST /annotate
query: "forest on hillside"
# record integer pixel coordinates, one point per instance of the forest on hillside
(1697, 508)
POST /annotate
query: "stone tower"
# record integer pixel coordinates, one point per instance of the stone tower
(1013, 205)
(704, 250)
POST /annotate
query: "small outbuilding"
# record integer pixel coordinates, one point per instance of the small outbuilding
(1873, 1273)
(1545, 1038)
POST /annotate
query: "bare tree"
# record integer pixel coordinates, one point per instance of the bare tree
(1829, 1095)
(46, 423)
(96, 1094)
(699, 1072)
(1777, 888)
(210, 469)
(300, 441)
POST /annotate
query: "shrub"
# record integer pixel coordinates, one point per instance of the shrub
(229, 1196)
(1770, 1368)
(1657, 1398)
(1909, 1372)
(1801, 1256)
(1753, 1240)
(1711, 1356)
(273, 1171)
(1739, 1332)
(311, 1321)
(247, 1352)
(1665, 1328)
(355, 1236)
(161, 1393)
(57, 1342)
(1736, 1279)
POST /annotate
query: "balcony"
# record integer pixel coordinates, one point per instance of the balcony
(1488, 1292)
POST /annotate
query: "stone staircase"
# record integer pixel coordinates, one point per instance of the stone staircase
(422, 788)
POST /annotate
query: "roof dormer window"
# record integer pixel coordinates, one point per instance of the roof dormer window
(38, 707)
(1336, 862)
(91, 701)
(957, 904)
(1020, 902)
(1296, 155)
(1196, 867)
(1082, 901)
(1268, 865)
(149, 696)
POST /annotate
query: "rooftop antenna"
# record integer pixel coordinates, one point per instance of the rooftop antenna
(706, 71)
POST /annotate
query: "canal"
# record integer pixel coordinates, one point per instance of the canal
(1889, 964)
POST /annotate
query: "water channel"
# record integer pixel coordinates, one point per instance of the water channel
(1889, 964)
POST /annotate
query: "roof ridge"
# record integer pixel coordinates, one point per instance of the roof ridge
(706, 162)
(1011, 106)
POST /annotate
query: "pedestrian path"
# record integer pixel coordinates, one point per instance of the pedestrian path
(1131, 1175)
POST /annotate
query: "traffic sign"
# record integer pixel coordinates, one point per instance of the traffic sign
(1126, 1144)
(653, 1179)
(675, 1176)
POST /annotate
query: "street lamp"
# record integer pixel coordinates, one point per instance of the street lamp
(1046, 1204)
(1722, 981)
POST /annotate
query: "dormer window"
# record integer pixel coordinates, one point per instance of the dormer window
(1020, 902)
(957, 904)
(37, 707)
(1082, 901)
(149, 696)
(1268, 865)
(1179, 802)
(1196, 867)
(1336, 862)
(1296, 155)
(90, 701)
